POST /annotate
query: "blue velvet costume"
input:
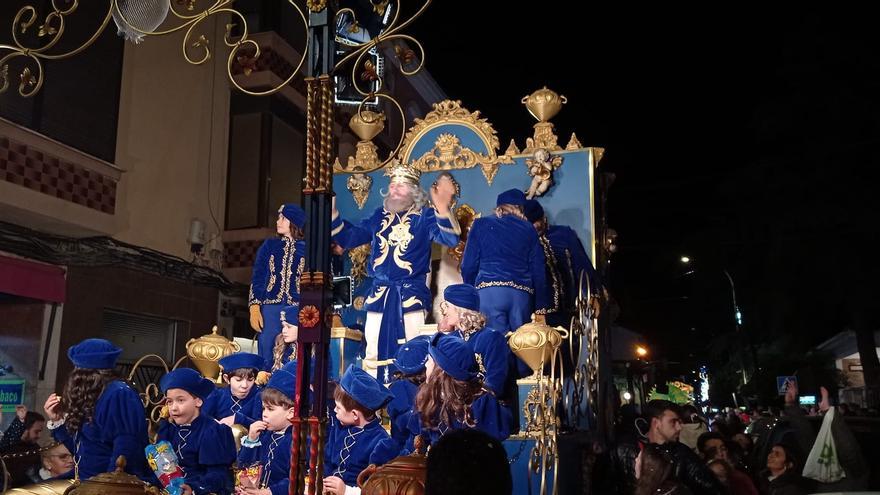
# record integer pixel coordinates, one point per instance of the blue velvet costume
(505, 262)
(400, 410)
(272, 451)
(221, 403)
(489, 416)
(205, 451)
(571, 260)
(497, 365)
(400, 260)
(350, 449)
(118, 427)
(275, 284)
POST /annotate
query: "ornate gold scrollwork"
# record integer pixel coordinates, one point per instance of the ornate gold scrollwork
(196, 48)
(359, 186)
(358, 258)
(465, 215)
(448, 152)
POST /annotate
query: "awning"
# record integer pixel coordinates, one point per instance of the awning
(33, 280)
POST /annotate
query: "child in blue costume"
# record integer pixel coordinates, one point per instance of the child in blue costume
(453, 396)
(268, 440)
(205, 448)
(355, 436)
(239, 403)
(276, 274)
(410, 362)
(99, 417)
(284, 350)
(497, 365)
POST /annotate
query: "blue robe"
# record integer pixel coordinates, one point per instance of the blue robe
(498, 366)
(275, 284)
(400, 259)
(489, 416)
(205, 451)
(118, 427)
(272, 451)
(400, 409)
(221, 403)
(504, 260)
(350, 449)
(571, 260)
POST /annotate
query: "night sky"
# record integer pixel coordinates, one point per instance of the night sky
(744, 139)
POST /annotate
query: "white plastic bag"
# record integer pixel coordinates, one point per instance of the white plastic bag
(822, 464)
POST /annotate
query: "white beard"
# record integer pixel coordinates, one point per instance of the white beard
(398, 205)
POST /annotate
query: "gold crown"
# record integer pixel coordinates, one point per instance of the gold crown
(401, 172)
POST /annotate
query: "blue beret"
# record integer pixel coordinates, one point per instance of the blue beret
(284, 379)
(511, 197)
(187, 379)
(290, 314)
(94, 354)
(364, 389)
(294, 213)
(412, 356)
(454, 356)
(241, 360)
(533, 210)
(464, 296)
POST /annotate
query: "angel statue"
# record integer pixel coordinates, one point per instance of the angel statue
(541, 169)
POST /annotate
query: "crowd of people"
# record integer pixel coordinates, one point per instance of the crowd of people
(672, 449)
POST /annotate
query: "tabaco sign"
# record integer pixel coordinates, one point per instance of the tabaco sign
(11, 393)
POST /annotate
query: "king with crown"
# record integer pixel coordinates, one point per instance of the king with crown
(400, 234)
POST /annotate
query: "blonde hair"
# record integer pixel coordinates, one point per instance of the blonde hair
(469, 321)
(278, 352)
(509, 209)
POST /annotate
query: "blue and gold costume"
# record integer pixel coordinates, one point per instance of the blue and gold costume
(352, 448)
(118, 425)
(275, 279)
(567, 259)
(572, 259)
(205, 448)
(505, 262)
(400, 259)
(222, 403)
(456, 357)
(495, 361)
(272, 449)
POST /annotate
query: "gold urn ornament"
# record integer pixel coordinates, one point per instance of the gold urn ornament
(367, 124)
(535, 343)
(404, 475)
(118, 483)
(544, 103)
(206, 350)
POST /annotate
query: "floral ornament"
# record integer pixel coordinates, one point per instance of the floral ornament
(309, 316)
(163, 413)
(248, 64)
(369, 74)
(316, 5)
(405, 55)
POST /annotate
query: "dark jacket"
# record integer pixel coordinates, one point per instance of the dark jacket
(688, 468)
(789, 483)
(691, 470)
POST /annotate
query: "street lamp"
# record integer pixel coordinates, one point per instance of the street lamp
(737, 314)
(641, 351)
